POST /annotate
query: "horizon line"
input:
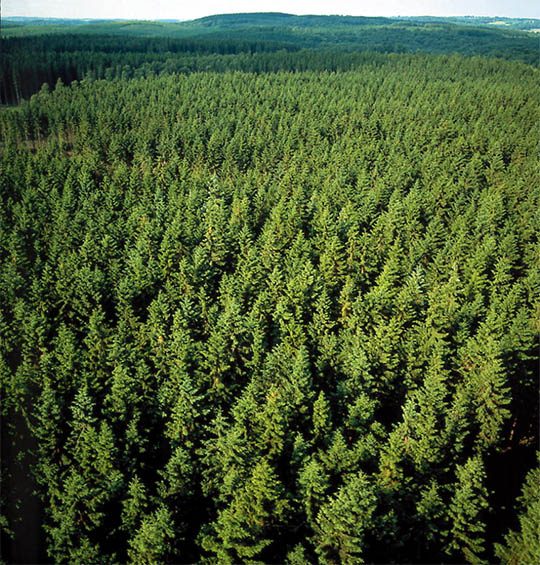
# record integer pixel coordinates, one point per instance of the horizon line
(82, 18)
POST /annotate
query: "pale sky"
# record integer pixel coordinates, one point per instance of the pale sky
(182, 10)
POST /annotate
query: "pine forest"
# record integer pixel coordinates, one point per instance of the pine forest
(270, 292)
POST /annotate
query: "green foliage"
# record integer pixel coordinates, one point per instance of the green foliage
(467, 507)
(242, 528)
(523, 546)
(343, 521)
(37, 53)
(151, 541)
(322, 418)
(254, 315)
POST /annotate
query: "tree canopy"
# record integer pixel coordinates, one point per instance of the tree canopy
(281, 309)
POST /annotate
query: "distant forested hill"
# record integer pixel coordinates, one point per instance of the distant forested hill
(511, 23)
(37, 51)
(269, 19)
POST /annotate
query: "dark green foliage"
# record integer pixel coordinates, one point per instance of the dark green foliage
(42, 51)
(343, 521)
(524, 546)
(275, 317)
